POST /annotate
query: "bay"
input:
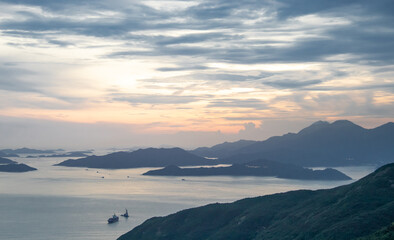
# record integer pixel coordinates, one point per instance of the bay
(75, 203)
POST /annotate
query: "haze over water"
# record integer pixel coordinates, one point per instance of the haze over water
(74, 203)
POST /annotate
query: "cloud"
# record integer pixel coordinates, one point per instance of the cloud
(291, 84)
(223, 55)
(238, 103)
(154, 99)
(12, 79)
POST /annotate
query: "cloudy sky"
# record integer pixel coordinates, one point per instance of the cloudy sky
(120, 73)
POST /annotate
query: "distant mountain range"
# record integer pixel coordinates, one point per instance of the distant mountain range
(14, 167)
(150, 157)
(222, 150)
(68, 154)
(361, 209)
(28, 151)
(340, 143)
(260, 168)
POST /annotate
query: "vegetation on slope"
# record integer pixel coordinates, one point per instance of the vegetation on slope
(346, 212)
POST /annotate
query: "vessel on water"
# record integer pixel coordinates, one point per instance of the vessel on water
(126, 214)
(113, 219)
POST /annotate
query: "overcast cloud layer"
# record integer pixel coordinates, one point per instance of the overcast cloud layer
(220, 70)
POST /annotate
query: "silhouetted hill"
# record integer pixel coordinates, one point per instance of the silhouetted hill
(3, 154)
(222, 150)
(150, 157)
(343, 213)
(260, 168)
(5, 161)
(68, 154)
(14, 167)
(27, 151)
(340, 143)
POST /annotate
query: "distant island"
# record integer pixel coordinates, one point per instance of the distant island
(341, 143)
(28, 151)
(3, 154)
(361, 209)
(150, 157)
(14, 167)
(259, 168)
(68, 154)
(6, 161)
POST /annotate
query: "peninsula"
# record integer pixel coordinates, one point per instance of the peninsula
(14, 167)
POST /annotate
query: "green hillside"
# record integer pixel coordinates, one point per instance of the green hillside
(347, 212)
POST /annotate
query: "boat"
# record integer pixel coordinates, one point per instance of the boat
(113, 219)
(126, 214)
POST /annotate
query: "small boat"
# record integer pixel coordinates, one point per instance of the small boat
(126, 214)
(113, 219)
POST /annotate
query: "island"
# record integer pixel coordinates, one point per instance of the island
(15, 167)
(259, 168)
(3, 154)
(28, 151)
(361, 209)
(6, 161)
(149, 157)
(68, 154)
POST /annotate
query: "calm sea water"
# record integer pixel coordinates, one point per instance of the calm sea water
(75, 203)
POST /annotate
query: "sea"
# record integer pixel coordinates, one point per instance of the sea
(58, 203)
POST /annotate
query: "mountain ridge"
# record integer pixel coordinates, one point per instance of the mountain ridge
(341, 143)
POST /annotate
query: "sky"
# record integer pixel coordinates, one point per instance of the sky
(125, 73)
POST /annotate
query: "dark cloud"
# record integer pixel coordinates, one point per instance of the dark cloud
(11, 79)
(287, 84)
(197, 38)
(294, 8)
(371, 23)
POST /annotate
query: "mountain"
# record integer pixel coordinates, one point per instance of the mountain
(341, 143)
(13, 167)
(26, 151)
(5, 161)
(342, 213)
(3, 154)
(260, 168)
(386, 233)
(222, 150)
(150, 157)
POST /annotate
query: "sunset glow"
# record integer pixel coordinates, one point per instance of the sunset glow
(195, 67)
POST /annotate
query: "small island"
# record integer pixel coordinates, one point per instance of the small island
(259, 168)
(15, 167)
